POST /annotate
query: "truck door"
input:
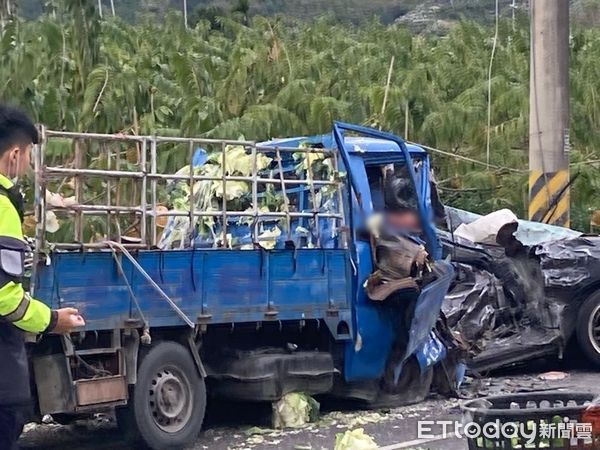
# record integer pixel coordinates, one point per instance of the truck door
(376, 327)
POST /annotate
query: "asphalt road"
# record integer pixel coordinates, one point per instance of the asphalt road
(237, 427)
(246, 427)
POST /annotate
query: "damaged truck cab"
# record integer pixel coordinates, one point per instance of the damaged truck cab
(248, 287)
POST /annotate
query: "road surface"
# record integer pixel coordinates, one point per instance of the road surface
(237, 427)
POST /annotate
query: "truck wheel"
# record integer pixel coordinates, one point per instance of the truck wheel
(168, 402)
(412, 387)
(588, 327)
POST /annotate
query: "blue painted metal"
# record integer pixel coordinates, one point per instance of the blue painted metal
(427, 311)
(375, 327)
(354, 143)
(228, 286)
(375, 148)
(431, 352)
(429, 231)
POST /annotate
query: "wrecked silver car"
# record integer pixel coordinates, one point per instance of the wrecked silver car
(522, 289)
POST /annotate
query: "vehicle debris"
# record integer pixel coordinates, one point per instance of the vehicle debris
(517, 287)
(553, 376)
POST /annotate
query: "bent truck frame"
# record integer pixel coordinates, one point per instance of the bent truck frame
(232, 312)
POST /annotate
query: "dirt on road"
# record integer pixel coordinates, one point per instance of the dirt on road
(246, 426)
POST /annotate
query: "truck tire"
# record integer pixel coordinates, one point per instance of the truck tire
(588, 328)
(168, 402)
(412, 387)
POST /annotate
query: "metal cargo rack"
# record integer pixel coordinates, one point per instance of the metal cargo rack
(130, 160)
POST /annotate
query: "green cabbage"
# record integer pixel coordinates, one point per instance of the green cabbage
(354, 440)
(295, 410)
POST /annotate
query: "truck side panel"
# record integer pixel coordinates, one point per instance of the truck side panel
(210, 286)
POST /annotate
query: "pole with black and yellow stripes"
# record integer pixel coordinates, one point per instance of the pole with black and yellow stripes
(549, 199)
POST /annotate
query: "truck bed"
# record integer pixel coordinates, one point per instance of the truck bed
(210, 286)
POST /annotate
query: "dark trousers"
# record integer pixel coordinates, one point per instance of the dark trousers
(12, 421)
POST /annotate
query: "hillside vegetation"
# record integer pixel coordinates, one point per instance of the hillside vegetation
(263, 77)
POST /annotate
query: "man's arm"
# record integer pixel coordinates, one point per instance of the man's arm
(16, 306)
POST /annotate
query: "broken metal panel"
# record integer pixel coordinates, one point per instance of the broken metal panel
(426, 312)
(519, 347)
(570, 262)
(471, 306)
(499, 307)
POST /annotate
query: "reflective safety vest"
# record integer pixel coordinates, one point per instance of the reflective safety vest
(18, 311)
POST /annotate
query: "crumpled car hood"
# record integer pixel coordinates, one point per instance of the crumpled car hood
(570, 262)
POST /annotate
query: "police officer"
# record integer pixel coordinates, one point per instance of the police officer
(19, 312)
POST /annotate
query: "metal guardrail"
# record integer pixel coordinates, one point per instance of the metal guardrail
(145, 175)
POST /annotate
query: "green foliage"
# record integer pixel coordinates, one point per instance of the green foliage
(268, 77)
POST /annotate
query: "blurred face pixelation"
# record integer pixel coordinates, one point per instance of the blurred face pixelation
(17, 161)
(407, 220)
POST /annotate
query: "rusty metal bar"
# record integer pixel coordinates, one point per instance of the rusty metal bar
(78, 229)
(140, 138)
(93, 172)
(94, 246)
(161, 139)
(143, 193)
(105, 208)
(149, 176)
(254, 229)
(311, 186)
(286, 201)
(39, 206)
(102, 209)
(108, 186)
(340, 208)
(192, 196)
(224, 169)
(153, 183)
(55, 171)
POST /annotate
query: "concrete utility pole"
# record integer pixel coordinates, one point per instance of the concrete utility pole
(513, 7)
(549, 113)
(185, 18)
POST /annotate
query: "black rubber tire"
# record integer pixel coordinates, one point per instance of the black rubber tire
(585, 318)
(137, 421)
(412, 387)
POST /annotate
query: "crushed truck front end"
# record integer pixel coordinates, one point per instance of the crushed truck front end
(392, 350)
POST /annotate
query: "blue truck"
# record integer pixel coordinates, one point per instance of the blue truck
(250, 313)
